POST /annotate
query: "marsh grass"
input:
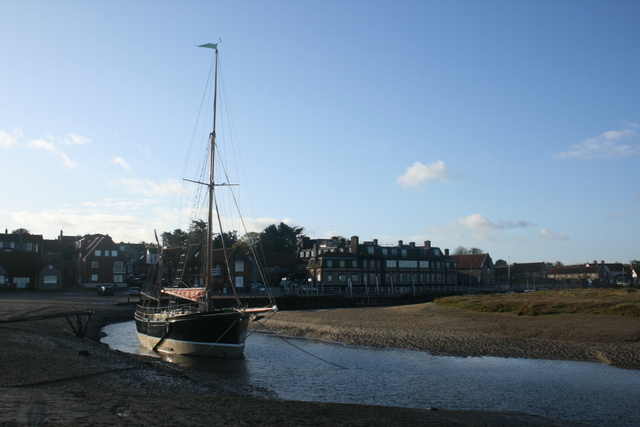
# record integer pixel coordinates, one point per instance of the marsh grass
(620, 302)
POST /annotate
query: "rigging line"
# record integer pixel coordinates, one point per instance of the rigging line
(244, 224)
(301, 349)
(224, 251)
(219, 338)
(193, 137)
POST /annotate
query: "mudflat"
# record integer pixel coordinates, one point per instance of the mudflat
(441, 330)
(51, 377)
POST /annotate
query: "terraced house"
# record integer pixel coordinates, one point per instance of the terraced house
(342, 264)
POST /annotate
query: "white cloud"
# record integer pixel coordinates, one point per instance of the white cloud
(549, 235)
(480, 227)
(7, 140)
(616, 143)
(120, 162)
(41, 143)
(74, 139)
(418, 174)
(149, 188)
(69, 164)
(477, 222)
(51, 147)
(122, 227)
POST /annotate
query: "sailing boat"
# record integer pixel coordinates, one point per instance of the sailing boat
(185, 320)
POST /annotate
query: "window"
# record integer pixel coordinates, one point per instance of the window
(354, 263)
(342, 263)
(239, 266)
(98, 252)
(391, 263)
(329, 277)
(118, 278)
(329, 263)
(29, 246)
(424, 264)
(342, 278)
(94, 264)
(114, 253)
(407, 264)
(21, 282)
(239, 281)
(94, 277)
(355, 278)
(118, 267)
(50, 279)
(370, 250)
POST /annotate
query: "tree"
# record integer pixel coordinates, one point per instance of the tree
(501, 263)
(249, 240)
(21, 231)
(197, 231)
(461, 250)
(230, 239)
(281, 238)
(175, 239)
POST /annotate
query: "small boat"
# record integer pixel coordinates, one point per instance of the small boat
(185, 320)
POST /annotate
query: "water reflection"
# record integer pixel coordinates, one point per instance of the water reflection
(321, 371)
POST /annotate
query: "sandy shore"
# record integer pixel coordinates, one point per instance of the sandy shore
(51, 377)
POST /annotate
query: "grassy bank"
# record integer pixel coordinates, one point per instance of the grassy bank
(620, 302)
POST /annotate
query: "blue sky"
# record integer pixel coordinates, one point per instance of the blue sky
(512, 126)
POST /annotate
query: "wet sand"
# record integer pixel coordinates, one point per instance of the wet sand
(51, 377)
(440, 330)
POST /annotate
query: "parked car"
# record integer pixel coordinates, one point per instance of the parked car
(258, 287)
(134, 291)
(105, 290)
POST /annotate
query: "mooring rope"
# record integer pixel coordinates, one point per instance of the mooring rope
(282, 337)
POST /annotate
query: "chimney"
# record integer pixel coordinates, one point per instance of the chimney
(355, 242)
(412, 244)
(446, 252)
(399, 242)
(602, 262)
(427, 243)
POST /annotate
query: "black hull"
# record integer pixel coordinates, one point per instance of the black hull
(219, 333)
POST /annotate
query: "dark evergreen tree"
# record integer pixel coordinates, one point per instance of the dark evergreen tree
(281, 238)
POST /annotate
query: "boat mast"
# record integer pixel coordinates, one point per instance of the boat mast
(212, 150)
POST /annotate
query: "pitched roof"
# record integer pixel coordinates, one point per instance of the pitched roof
(471, 261)
(527, 267)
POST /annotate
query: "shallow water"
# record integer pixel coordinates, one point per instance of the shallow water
(313, 370)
